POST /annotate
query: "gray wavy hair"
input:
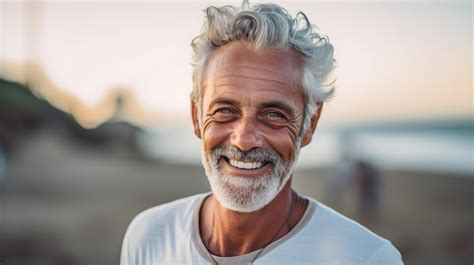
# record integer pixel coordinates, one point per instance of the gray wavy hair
(267, 26)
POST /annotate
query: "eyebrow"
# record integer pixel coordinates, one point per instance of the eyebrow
(270, 104)
(222, 100)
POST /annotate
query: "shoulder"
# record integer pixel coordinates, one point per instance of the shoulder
(168, 222)
(164, 215)
(330, 222)
(352, 241)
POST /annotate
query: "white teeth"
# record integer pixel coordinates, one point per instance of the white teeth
(245, 165)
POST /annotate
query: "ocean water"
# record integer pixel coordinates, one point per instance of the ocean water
(439, 146)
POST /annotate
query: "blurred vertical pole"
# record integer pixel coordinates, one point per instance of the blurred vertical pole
(2, 169)
(2, 30)
(2, 34)
(12, 49)
(2, 154)
(32, 42)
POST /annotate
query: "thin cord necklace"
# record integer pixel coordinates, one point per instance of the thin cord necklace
(292, 205)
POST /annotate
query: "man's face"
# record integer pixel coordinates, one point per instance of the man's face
(252, 113)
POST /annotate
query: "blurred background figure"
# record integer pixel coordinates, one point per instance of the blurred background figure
(339, 182)
(3, 166)
(367, 188)
(341, 179)
(95, 126)
(3, 176)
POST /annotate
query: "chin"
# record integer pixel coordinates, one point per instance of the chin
(246, 195)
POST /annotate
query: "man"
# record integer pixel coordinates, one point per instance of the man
(260, 80)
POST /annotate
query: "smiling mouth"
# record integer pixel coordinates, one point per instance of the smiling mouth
(246, 164)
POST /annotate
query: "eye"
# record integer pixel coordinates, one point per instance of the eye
(274, 115)
(224, 111)
(224, 114)
(274, 118)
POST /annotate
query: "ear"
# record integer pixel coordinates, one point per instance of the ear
(308, 136)
(194, 115)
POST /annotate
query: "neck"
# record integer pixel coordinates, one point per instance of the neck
(229, 233)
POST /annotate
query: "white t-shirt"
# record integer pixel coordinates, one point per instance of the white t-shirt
(169, 234)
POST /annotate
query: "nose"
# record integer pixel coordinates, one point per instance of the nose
(245, 135)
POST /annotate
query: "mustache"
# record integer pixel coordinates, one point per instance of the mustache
(256, 154)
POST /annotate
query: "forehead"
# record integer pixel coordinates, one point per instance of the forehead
(239, 69)
(282, 64)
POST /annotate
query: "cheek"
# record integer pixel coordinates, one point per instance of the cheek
(283, 141)
(214, 134)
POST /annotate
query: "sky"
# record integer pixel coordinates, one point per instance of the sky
(395, 60)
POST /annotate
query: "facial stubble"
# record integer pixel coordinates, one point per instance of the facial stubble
(248, 194)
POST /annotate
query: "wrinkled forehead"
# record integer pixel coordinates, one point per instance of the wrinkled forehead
(241, 59)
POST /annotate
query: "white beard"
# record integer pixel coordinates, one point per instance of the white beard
(247, 194)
